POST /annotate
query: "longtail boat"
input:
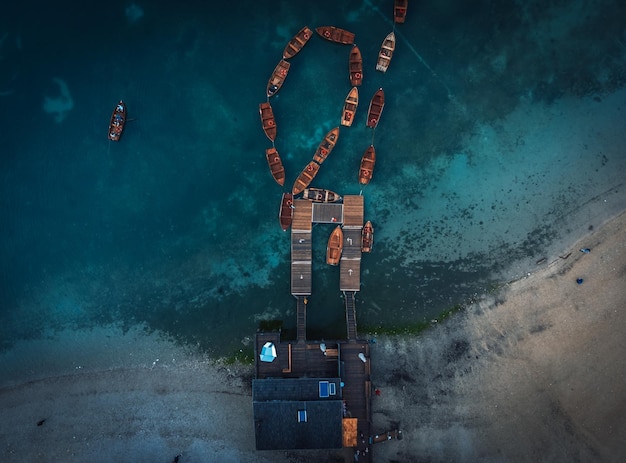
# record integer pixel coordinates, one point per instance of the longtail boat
(320, 195)
(377, 104)
(367, 165)
(267, 120)
(355, 67)
(335, 34)
(297, 42)
(276, 165)
(399, 10)
(335, 246)
(278, 77)
(285, 214)
(349, 107)
(305, 177)
(118, 120)
(386, 52)
(326, 146)
(367, 237)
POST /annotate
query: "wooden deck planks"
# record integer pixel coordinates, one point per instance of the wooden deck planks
(353, 211)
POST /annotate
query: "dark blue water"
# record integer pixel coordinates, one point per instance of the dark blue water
(176, 226)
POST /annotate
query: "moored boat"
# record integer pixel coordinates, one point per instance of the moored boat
(355, 67)
(320, 195)
(305, 177)
(386, 52)
(399, 10)
(267, 120)
(335, 34)
(367, 165)
(276, 165)
(335, 246)
(349, 107)
(367, 237)
(326, 146)
(285, 214)
(278, 77)
(377, 104)
(118, 121)
(297, 42)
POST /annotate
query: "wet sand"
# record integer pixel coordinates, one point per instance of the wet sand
(532, 372)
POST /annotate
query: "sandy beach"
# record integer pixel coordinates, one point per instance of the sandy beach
(532, 372)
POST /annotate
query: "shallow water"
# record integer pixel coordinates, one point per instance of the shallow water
(499, 142)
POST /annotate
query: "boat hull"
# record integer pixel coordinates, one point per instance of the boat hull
(320, 195)
(377, 104)
(268, 121)
(305, 178)
(367, 237)
(276, 165)
(399, 11)
(355, 67)
(386, 52)
(335, 34)
(349, 107)
(285, 214)
(117, 122)
(277, 79)
(366, 170)
(335, 246)
(326, 146)
(298, 41)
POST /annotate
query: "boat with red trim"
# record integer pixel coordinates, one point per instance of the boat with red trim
(349, 107)
(377, 103)
(335, 246)
(305, 178)
(336, 34)
(326, 146)
(367, 165)
(276, 165)
(297, 42)
(355, 66)
(367, 237)
(278, 77)
(285, 214)
(399, 11)
(268, 121)
(320, 195)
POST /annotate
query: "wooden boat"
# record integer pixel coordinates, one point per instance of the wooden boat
(377, 104)
(399, 11)
(349, 107)
(276, 165)
(278, 77)
(386, 52)
(285, 214)
(267, 120)
(335, 246)
(335, 34)
(305, 177)
(297, 42)
(118, 121)
(367, 237)
(319, 195)
(326, 146)
(367, 165)
(355, 67)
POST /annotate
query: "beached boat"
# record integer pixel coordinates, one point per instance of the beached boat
(326, 146)
(367, 237)
(320, 195)
(267, 120)
(335, 246)
(297, 42)
(386, 52)
(278, 77)
(276, 165)
(305, 177)
(118, 120)
(349, 107)
(399, 10)
(367, 165)
(335, 34)
(355, 67)
(377, 104)
(285, 214)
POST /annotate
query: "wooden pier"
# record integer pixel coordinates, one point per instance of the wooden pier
(343, 364)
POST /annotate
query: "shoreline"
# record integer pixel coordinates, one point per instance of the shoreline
(505, 378)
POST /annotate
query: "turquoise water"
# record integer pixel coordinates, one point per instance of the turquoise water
(176, 225)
